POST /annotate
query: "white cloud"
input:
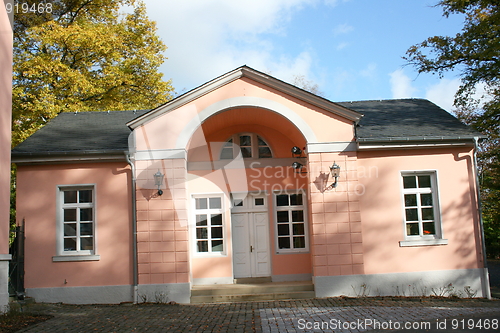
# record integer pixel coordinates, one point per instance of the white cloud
(443, 93)
(206, 38)
(401, 85)
(342, 29)
(370, 71)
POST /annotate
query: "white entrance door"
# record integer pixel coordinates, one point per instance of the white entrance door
(250, 234)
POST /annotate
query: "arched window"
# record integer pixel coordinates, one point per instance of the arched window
(250, 144)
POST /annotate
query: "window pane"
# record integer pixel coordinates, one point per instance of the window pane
(265, 152)
(282, 216)
(87, 243)
(411, 214)
(245, 140)
(429, 228)
(70, 197)
(424, 181)
(216, 232)
(201, 220)
(69, 215)
(85, 229)
(282, 200)
(426, 199)
(202, 246)
(409, 182)
(85, 196)
(201, 233)
(412, 229)
(69, 244)
(69, 229)
(297, 216)
(299, 242)
(216, 219)
(226, 153)
(296, 199)
(86, 214)
(298, 229)
(284, 242)
(283, 230)
(427, 214)
(259, 201)
(215, 203)
(261, 142)
(246, 152)
(238, 203)
(217, 246)
(201, 203)
(410, 200)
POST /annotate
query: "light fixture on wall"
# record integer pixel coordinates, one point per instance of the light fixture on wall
(335, 172)
(158, 176)
(298, 153)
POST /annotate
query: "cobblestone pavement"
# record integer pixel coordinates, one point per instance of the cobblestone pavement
(314, 315)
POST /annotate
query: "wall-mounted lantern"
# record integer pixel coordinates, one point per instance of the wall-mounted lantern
(335, 172)
(158, 176)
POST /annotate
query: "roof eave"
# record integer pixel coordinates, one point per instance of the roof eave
(58, 157)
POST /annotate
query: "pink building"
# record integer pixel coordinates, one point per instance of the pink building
(378, 196)
(5, 128)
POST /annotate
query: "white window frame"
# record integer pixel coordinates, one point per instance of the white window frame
(78, 255)
(209, 211)
(422, 239)
(302, 207)
(254, 148)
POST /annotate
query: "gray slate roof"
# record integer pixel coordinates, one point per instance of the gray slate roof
(80, 133)
(107, 132)
(407, 120)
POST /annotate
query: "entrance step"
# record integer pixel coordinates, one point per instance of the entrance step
(252, 292)
(253, 280)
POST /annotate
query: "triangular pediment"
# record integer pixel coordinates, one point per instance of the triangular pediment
(256, 76)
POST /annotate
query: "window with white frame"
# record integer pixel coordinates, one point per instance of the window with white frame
(76, 220)
(209, 226)
(421, 209)
(251, 145)
(291, 222)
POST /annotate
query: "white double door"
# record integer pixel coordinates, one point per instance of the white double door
(250, 235)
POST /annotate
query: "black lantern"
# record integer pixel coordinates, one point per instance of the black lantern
(158, 176)
(335, 172)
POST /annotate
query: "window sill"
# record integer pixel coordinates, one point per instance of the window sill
(423, 242)
(76, 258)
(292, 252)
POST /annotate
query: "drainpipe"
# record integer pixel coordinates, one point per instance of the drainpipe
(135, 282)
(486, 279)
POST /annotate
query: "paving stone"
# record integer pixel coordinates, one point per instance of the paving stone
(329, 314)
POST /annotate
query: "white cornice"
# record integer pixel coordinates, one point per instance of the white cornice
(254, 75)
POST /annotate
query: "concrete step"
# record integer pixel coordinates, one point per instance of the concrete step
(252, 292)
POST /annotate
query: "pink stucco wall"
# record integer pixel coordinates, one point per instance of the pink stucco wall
(37, 187)
(5, 126)
(382, 214)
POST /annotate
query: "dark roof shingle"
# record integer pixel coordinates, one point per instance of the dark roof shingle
(81, 132)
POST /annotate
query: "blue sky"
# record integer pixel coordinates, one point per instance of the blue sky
(351, 48)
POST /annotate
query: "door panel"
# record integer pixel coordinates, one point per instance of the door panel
(241, 246)
(250, 230)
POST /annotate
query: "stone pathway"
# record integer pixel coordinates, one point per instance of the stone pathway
(349, 315)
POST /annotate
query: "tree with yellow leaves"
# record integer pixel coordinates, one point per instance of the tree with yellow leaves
(83, 55)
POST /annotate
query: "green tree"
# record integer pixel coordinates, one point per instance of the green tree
(84, 55)
(475, 54)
